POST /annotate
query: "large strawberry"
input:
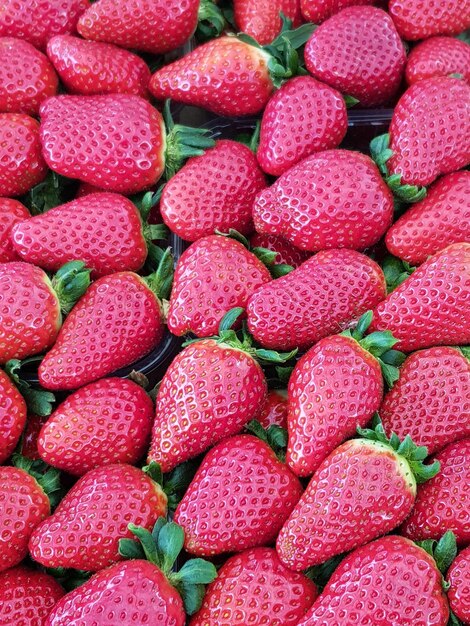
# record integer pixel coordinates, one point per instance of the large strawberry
(323, 296)
(432, 306)
(438, 56)
(458, 578)
(261, 19)
(89, 68)
(286, 253)
(420, 19)
(431, 400)
(311, 205)
(12, 416)
(367, 35)
(12, 211)
(318, 11)
(363, 489)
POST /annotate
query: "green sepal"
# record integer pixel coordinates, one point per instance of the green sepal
(443, 551)
(465, 350)
(51, 192)
(454, 620)
(154, 471)
(350, 101)
(321, 574)
(464, 36)
(38, 401)
(161, 281)
(229, 319)
(395, 271)
(284, 374)
(70, 283)
(211, 21)
(274, 436)
(266, 256)
(68, 578)
(174, 483)
(456, 75)
(281, 269)
(47, 477)
(155, 231)
(145, 202)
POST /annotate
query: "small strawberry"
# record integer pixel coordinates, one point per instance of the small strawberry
(419, 19)
(286, 253)
(431, 400)
(438, 56)
(443, 503)
(12, 416)
(90, 68)
(274, 411)
(261, 20)
(318, 11)
(431, 307)
(254, 587)
(458, 578)
(12, 212)
(28, 446)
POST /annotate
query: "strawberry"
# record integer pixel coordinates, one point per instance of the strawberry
(418, 19)
(322, 296)
(310, 204)
(444, 502)
(29, 439)
(442, 218)
(214, 275)
(261, 20)
(431, 307)
(254, 587)
(213, 192)
(12, 416)
(21, 163)
(27, 596)
(12, 212)
(458, 577)
(303, 117)
(318, 11)
(90, 68)
(438, 56)
(363, 489)
(431, 400)
(286, 253)
(84, 531)
(274, 411)
(367, 35)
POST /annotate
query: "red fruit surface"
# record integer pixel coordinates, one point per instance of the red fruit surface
(29, 438)
(428, 226)
(303, 117)
(432, 306)
(91, 68)
(390, 581)
(11, 211)
(274, 411)
(431, 399)
(21, 163)
(430, 130)
(367, 35)
(134, 592)
(255, 588)
(116, 322)
(324, 295)
(213, 192)
(239, 498)
(84, 531)
(103, 229)
(225, 76)
(12, 416)
(332, 199)
(23, 505)
(420, 19)
(438, 56)
(210, 391)
(443, 502)
(108, 421)
(214, 275)
(459, 593)
(317, 11)
(286, 252)
(260, 18)
(84, 189)
(126, 132)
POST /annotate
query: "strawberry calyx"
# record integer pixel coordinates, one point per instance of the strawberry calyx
(160, 281)
(211, 21)
(51, 192)
(443, 552)
(47, 477)
(465, 350)
(275, 436)
(174, 483)
(162, 547)
(70, 283)
(396, 271)
(38, 401)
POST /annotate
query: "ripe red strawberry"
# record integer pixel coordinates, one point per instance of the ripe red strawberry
(214, 275)
(303, 117)
(254, 587)
(323, 296)
(311, 205)
(21, 163)
(438, 56)
(442, 218)
(213, 192)
(274, 411)
(11, 211)
(418, 19)
(390, 581)
(431, 307)
(12, 416)
(318, 11)
(89, 68)
(431, 400)
(363, 489)
(261, 20)
(458, 577)
(286, 253)
(27, 596)
(443, 503)
(29, 439)
(367, 35)
(84, 531)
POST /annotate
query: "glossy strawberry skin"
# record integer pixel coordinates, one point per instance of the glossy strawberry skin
(116, 322)
(126, 132)
(84, 530)
(419, 20)
(459, 578)
(431, 399)
(213, 192)
(420, 152)
(438, 56)
(388, 582)
(442, 218)
(367, 35)
(274, 411)
(286, 252)
(317, 11)
(303, 117)
(253, 586)
(311, 204)
(261, 20)
(323, 296)
(21, 163)
(443, 503)
(225, 76)
(29, 439)
(136, 591)
(431, 307)
(214, 275)
(104, 230)
(12, 212)
(108, 421)
(233, 502)
(210, 391)
(90, 68)
(12, 416)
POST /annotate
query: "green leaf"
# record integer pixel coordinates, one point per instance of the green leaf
(284, 373)
(130, 549)
(280, 269)
(443, 551)
(230, 318)
(350, 101)
(147, 543)
(267, 257)
(395, 271)
(255, 428)
(170, 544)
(160, 282)
(154, 471)
(465, 36)
(271, 356)
(211, 21)
(197, 572)
(465, 350)
(192, 596)
(38, 401)
(70, 283)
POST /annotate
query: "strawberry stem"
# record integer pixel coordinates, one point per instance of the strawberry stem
(70, 283)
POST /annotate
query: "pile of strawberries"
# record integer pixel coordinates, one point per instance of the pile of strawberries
(305, 458)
